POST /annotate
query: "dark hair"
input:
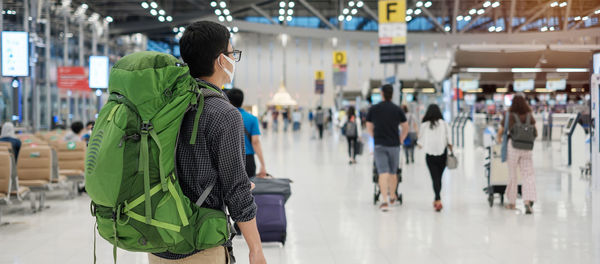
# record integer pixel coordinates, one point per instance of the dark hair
(405, 108)
(351, 111)
(236, 97)
(519, 105)
(432, 115)
(76, 127)
(92, 123)
(201, 44)
(387, 91)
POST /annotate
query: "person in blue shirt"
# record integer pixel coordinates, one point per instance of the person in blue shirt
(251, 135)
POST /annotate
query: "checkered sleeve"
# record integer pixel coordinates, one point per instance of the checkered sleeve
(228, 147)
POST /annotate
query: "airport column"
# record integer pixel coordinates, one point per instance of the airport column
(47, 6)
(595, 114)
(24, 83)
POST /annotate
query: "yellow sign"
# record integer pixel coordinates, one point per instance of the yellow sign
(339, 57)
(392, 11)
(319, 75)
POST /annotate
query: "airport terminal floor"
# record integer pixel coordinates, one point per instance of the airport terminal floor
(332, 219)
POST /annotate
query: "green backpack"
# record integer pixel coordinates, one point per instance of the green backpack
(130, 161)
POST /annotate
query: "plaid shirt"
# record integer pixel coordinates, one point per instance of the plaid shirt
(217, 157)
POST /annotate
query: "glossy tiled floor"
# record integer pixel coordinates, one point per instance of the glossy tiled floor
(331, 218)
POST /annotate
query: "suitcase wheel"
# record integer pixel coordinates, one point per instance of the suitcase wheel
(491, 200)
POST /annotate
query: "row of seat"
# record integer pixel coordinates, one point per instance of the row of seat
(45, 163)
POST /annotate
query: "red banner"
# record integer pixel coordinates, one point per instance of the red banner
(73, 78)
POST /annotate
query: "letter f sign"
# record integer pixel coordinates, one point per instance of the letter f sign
(390, 9)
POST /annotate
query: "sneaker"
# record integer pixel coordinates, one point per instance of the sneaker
(528, 209)
(384, 207)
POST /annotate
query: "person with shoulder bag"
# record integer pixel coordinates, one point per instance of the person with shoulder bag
(436, 148)
(411, 140)
(351, 132)
(519, 135)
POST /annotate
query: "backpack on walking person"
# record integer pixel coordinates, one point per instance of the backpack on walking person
(350, 129)
(130, 172)
(522, 134)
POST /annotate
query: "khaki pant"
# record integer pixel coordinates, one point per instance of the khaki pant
(216, 255)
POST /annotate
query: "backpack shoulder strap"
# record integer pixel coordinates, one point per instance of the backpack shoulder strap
(517, 118)
(528, 120)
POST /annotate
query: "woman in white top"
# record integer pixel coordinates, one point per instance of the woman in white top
(433, 138)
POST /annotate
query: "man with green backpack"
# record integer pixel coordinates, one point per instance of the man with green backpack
(165, 162)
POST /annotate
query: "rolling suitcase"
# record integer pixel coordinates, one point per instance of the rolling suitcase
(270, 217)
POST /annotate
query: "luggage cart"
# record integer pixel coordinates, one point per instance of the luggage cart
(497, 174)
(377, 191)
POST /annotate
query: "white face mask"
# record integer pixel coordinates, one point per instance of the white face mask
(229, 73)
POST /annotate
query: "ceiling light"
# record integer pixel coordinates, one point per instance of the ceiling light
(235, 29)
(84, 6)
(226, 12)
(145, 5)
(281, 18)
(222, 4)
(526, 70)
(551, 28)
(218, 12)
(289, 19)
(109, 19)
(290, 12)
(281, 12)
(428, 4)
(213, 4)
(360, 4)
(544, 29)
(563, 4)
(348, 18)
(447, 28)
(409, 11)
(495, 4)
(577, 18)
(472, 11)
(345, 11)
(354, 11)
(597, 12)
(468, 18)
(175, 30)
(419, 4)
(181, 29)
(480, 11)
(554, 4)
(282, 4)
(222, 18)
(291, 4)
(459, 18)
(572, 70)
(169, 18)
(483, 70)
(351, 3)
(153, 4)
(487, 3)
(341, 18)
(161, 18)
(408, 18)
(418, 12)
(498, 29)
(585, 18)
(161, 12)
(229, 18)
(153, 12)
(492, 29)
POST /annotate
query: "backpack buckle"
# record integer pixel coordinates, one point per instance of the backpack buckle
(146, 127)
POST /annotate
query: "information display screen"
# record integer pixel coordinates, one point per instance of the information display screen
(520, 85)
(556, 84)
(15, 53)
(99, 72)
(375, 98)
(468, 84)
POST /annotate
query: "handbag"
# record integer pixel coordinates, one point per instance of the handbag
(451, 160)
(504, 150)
(359, 147)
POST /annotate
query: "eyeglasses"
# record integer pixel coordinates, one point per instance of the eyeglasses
(237, 54)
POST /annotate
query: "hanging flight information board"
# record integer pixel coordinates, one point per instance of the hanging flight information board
(98, 72)
(15, 53)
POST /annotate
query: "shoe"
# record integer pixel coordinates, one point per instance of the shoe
(528, 209)
(438, 205)
(510, 206)
(384, 207)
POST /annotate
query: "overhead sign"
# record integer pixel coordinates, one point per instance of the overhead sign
(99, 72)
(392, 31)
(520, 85)
(319, 82)
(339, 57)
(15, 53)
(340, 61)
(72, 78)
